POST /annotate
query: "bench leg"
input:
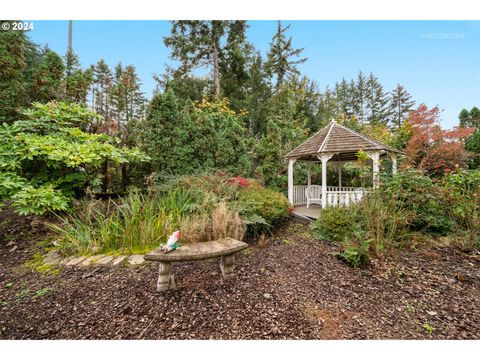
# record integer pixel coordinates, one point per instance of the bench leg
(226, 266)
(165, 281)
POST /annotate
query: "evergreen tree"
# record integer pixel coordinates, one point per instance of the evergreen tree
(282, 57)
(470, 118)
(269, 156)
(327, 108)
(376, 102)
(401, 104)
(360, 97)
(258, 97)
(12, 66)
(127, 105)
(344, 99)
(77, 81)
(234, 64)
(184, 86)
(102, 80)
(47, 78)
(196, 44)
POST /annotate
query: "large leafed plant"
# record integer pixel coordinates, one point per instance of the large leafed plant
(49, 157)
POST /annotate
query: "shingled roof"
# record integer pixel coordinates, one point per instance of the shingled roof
(337, 139)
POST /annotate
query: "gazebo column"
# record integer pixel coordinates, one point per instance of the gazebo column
(309, 173)
(324, 158)
(375, 156)
(290, 180)
(393, 157)
(339, 165)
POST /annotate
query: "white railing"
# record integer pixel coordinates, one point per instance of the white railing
(344, 198)
(336, 196)
(299, 197)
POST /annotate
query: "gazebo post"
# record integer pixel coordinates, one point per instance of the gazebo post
(309, 173)
(290, 180)
(375, 156)
(339, 165)
(324, 158)
(393, 156)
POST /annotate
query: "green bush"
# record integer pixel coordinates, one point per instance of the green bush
(337, 224)
(462, 198)
(384, 220)
(261, 208)
(423, 198)
(355, 253)
(46, 159)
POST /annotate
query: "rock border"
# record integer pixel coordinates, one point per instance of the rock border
(53, 258)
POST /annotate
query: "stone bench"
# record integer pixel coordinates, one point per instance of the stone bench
(224, 248)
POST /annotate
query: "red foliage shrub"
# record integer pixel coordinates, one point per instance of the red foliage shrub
(431, 148)
(240, 181)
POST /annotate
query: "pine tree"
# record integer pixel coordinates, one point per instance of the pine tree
(470, 118)
(376, 102)
(77, 81)
(360, 97)
(102, 80)
(234, 61)
(401, 104)
(258, 97)
(12, 84)
(47, 78)
(282, 57)
(343, 95)
(127, 104)
(327, 108)
(197, 44)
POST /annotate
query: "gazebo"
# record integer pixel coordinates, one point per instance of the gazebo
(338, 144)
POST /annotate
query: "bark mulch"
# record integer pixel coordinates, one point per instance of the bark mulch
(291, 288)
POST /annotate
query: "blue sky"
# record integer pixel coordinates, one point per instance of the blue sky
(437, 61)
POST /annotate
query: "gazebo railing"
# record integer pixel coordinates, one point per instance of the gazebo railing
(299, 197)
(344, 198)
(336, 196)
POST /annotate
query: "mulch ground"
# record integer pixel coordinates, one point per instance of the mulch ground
(291, 288)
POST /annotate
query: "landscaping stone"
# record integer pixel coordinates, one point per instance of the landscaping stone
(66, 260)
(104, 261)
(75, 261)
(90, 260)
(119, 260)
(52, 258)
(136, 260)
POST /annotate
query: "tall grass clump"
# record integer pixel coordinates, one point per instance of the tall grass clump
(137, 224)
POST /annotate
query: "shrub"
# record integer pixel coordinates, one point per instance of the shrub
(337, 224)
(462, 197)
(355, 253)
(420, 196)
(221, 223)
(46, 160)
(384, 220)
(262, 208)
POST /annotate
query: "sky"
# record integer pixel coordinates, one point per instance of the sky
(438, 62)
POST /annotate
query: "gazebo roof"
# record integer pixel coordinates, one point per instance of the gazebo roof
(337, 139)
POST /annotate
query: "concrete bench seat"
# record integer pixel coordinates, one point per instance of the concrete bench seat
(224, 248)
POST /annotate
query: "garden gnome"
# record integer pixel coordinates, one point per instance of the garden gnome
(172, 242)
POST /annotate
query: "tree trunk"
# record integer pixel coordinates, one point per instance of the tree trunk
(124, 181)
(216, 69)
